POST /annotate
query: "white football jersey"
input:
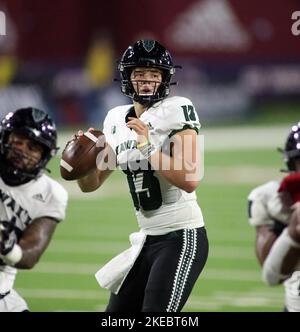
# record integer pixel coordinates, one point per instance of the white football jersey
(160, 206)
(264, 208)
(42, 197)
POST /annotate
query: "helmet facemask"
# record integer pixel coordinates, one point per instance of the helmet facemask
(291, 152)
(14, 161)
(290, 157)
(148, 90)
(148, 55)
(18, 166)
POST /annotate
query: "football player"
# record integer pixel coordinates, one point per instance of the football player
(155, 143)
(274, 209)
(31, 202)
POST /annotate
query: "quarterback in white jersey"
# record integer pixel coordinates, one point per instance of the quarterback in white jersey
(274, 209)
(154, 141)
(31, 203)
(160, 205)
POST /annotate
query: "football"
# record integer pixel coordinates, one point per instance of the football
(80, 154)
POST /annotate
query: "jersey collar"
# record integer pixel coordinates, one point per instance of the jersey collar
(130, 113)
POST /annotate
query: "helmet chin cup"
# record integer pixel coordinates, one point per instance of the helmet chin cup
(144, 99)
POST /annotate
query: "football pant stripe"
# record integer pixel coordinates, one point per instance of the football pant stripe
(184, 267)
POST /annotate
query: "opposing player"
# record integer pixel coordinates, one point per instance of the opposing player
(274, 209)
(154, 141)
(31, 202)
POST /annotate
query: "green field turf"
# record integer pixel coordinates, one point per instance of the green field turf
(97, 228)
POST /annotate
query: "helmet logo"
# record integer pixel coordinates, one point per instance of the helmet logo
(148, 45)
(38, 115)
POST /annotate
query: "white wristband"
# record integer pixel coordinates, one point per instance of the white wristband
(291, 241)
(271, 272)
(14, 256)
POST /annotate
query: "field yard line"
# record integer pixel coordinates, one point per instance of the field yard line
(113, 189)
(96, 240)
(61, 293)
(228, 138)
(113, 248)
(240, 174)
(89, 247)
(67, 268)
(231, 252)
(267, 292)
(231, 275)
(232, 138)
(93, 233)
(90, 269)
(230, 233)
(258, 297)
(213, 302)
(92, 294)
(216, 301)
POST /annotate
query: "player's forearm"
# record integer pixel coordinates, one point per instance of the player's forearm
(179, 172)
(29, 259)
(34, 241)
(265, 238)
(282, 259)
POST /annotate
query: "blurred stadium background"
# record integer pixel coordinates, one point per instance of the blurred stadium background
(241, 65)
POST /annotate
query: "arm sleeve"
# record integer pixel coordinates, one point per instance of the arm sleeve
(257, 209)
(265, 206)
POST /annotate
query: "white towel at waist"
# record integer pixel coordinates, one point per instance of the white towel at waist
(113, 274)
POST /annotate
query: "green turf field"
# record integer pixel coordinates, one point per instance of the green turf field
(98, 225)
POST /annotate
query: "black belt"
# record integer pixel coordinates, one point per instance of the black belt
(2, 296)
(156, 238)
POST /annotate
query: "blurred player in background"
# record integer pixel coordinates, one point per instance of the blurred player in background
(160, 269)
(31, 203)
(274, 209)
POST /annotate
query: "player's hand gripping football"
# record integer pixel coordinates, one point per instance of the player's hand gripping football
(140, 128)
(74, 137)
(80, 154)
(291, 185)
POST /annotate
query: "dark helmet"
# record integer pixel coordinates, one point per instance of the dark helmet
(146, 53)
(36, 125)
(291, 151)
